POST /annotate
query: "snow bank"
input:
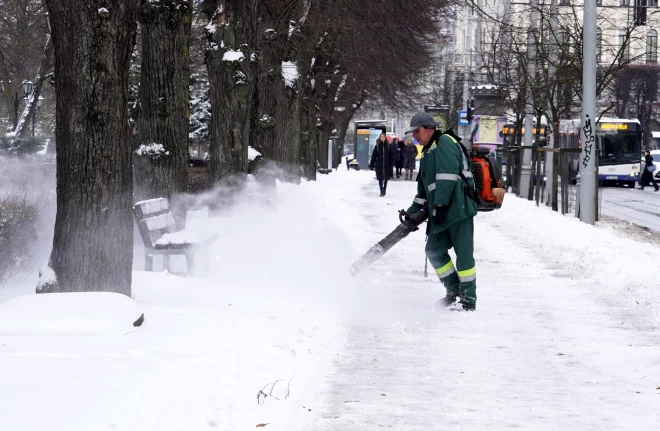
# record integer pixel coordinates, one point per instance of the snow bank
(268, 314)
(88, 313)
(625, 268)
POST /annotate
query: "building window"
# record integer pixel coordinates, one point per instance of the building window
(599, 2)
(624, 2)
(564, 2)
(624, 45)
(652, 46)
(652, 3)
(599, 45)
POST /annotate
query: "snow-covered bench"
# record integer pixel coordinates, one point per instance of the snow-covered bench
(158, 231)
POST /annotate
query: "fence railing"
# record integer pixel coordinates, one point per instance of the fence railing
(564, 195)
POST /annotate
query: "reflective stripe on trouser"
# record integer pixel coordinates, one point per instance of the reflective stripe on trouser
(458, 236)
(446, 272)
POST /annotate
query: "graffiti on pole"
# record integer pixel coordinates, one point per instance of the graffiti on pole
(589, 139)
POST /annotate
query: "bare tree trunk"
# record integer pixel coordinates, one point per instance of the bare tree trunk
(344, 118)
(22, 128)
(309, 141)
(6, 89)
(93, 241)
(231, 41)
(161, 163)
(290, 141)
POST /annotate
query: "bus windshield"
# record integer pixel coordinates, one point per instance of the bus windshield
(618, 148)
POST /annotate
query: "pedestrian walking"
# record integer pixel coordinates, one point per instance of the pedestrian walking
(400, 146)
(409, 158)
(649, 169)
(444, 173)
(382, 161)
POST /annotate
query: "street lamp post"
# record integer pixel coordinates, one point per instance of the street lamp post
(27, 89)
(40, 101)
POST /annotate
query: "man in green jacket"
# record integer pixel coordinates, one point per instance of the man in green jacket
(444, 175)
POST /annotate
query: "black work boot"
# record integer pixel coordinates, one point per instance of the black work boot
(463, 306)
(447, 301)
(466, 306)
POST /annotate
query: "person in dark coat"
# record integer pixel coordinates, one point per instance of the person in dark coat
(400, 146)
(409, 158)
(647, 176)
(382, 161)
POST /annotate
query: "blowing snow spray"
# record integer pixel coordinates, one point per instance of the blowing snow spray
(379, 249)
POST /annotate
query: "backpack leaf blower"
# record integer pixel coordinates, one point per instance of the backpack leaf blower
(400, 232)
(487, 179)
(487, 192)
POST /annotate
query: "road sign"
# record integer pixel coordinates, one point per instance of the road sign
(462, 118)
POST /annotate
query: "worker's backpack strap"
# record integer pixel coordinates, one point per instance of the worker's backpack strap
(470, 191)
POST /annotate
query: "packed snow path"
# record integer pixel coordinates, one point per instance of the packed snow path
(543, 351)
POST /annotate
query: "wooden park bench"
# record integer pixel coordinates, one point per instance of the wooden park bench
(161, 237)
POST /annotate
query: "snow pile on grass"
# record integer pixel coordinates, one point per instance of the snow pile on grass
(267, 317)
(88, 313)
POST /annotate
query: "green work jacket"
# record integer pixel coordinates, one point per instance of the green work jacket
(439, 182)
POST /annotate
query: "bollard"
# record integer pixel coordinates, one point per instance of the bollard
(577, 196)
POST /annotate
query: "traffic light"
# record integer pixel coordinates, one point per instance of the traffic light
(470, 111)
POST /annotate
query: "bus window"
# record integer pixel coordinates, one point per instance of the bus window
(618, 147)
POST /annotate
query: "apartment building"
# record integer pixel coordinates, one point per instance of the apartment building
(627, 34)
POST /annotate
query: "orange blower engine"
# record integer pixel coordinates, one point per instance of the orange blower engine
(487, 179)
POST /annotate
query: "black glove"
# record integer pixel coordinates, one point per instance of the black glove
(440, 214)
(412, 220)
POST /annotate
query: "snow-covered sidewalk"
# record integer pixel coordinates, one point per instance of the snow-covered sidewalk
(564, 336)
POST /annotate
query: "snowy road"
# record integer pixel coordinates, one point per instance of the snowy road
(640, 207)
(544, 351)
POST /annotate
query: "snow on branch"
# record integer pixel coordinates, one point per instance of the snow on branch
(153, 150)
(231, 55)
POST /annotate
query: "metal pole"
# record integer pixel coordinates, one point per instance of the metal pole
(15, 110)
(33, 112)
(466, 71)
(588, 125)
(552, 58)
(477, 42)
(526, 173)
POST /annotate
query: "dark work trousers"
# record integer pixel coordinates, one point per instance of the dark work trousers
(460, 280)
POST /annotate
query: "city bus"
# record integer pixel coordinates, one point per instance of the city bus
(619, 142)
